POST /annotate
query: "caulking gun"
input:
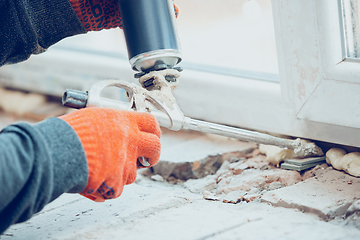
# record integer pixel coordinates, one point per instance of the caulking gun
(154, 50)
(161, 103)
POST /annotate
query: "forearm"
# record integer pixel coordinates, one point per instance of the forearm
(38, 163)
(31, 26)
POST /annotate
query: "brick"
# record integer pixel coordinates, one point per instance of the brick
(257, 178)
(327, 195)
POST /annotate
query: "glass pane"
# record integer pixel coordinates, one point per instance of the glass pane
(235, 35)
(351, 29)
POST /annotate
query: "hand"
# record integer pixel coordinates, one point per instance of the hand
(113, 140)
(96, 15)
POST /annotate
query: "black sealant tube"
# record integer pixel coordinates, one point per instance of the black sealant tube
(148, 25)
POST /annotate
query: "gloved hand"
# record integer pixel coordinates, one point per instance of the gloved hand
(96, 15)
(113, 140)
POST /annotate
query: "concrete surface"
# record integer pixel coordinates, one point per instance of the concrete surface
(152, 209)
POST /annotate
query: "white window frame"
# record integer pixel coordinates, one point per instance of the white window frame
(319, 92)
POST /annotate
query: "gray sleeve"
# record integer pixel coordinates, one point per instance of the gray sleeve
(37, 164)
(31, 26)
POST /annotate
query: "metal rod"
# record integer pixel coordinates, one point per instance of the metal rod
(300, 147)
(241, 134)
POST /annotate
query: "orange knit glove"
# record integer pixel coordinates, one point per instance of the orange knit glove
(113, 140)
(96, 15)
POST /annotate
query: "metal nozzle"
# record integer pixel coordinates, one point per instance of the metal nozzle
(143, 161)
(74, 99)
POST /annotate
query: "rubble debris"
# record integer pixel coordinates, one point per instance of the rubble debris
(353, 215)
(316, 171)
(245, 180)
(258, 162)
(353, 220)
(255, 153)
(157, 178)
(234, 197)
(340, 160)
(254, 190)
(252, 197)
(275, 185)
(174, 181)
(197, 169)
(207, 195)
(201, 185)
(250, 178)
(257, 178)
(223, 168)
(355, 207)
